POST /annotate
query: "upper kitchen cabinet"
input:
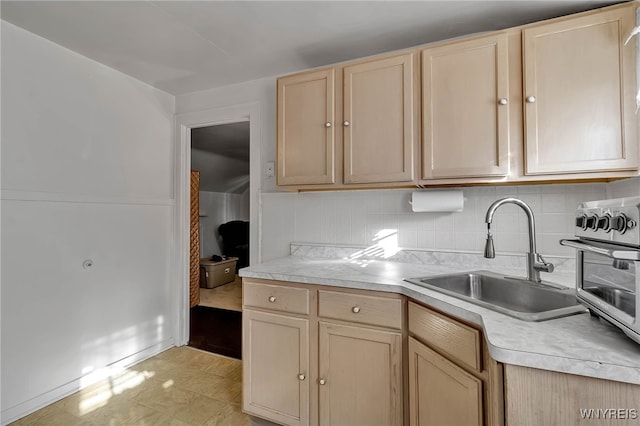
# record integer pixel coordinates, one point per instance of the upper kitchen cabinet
(465, 112)
(379, 121)
(579, 90)
(548, 101)
(351, 125)
(306, 136)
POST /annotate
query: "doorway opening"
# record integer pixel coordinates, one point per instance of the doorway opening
(219, 235)
(180, 265)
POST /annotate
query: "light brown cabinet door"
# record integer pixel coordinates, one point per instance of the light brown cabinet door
(378, 121)
(579, 89)
(360, 376)
(275, 358)
(465, 123)
(440, 392)
(306, 128)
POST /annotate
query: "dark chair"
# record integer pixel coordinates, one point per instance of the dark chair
(235, 241)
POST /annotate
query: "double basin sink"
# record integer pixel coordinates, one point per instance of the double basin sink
(519, 298)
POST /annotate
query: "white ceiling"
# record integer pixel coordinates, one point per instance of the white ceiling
(187, 46)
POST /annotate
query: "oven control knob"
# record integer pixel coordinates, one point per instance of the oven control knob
(581, 221)
(604, 222)
(620, 223)
(591, 222)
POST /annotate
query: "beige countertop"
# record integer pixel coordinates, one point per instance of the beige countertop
(577, 344)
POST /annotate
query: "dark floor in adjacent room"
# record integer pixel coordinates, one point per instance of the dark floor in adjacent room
(216, 323)
(216, 330)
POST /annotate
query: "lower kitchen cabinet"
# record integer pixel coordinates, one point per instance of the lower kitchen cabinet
(322, 357)
(539, 397)
(318, 355)
(452, 379)
(360, 371)
(441, 392)
(276, 363)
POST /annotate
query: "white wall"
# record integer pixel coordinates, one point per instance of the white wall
(263, 92)
(219, 208)
(87, 157)
(354, 217)
(260, 94)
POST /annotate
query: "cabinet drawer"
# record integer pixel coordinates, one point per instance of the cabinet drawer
(359, 308)
(447, 335)
(276, 297)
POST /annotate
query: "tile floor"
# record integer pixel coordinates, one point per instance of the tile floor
(228, 296)
(179, 387)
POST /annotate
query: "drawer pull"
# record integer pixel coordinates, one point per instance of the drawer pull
(272, 299)
(226, 270)
(322, 382)
(301, 377)
(355, 309)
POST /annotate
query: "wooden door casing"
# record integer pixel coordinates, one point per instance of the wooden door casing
(194, 237)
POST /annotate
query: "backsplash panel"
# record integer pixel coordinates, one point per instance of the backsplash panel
(624, 188)
(509, 264)
(359, 218)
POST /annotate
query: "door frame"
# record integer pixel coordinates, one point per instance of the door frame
(179, 287)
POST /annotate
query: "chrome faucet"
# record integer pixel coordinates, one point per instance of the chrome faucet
(535, 262)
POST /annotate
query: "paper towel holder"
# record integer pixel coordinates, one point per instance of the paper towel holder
(437, 201)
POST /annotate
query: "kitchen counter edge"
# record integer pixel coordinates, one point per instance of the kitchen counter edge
(576, 344)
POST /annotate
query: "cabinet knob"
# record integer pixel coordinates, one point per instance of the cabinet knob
(347, 123)
(301, 376)
(355, 309)
(503, 101)
(272, 299)
(322, 381)
(327, 124)
(531, 99)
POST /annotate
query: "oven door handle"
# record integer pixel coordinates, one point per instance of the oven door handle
(614, 253)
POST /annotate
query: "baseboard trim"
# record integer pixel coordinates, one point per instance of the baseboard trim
(27, 407)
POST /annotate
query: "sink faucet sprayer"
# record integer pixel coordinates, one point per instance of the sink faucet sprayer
(535, 262)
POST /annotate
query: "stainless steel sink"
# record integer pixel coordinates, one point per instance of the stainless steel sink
(519, 298)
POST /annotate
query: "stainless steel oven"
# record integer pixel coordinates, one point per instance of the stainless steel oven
(608, 261)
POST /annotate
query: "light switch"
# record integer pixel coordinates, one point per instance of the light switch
(271, 169)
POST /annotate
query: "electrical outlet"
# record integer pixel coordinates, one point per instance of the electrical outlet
(271, 169)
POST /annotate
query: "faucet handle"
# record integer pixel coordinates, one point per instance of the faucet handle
(543, 266)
